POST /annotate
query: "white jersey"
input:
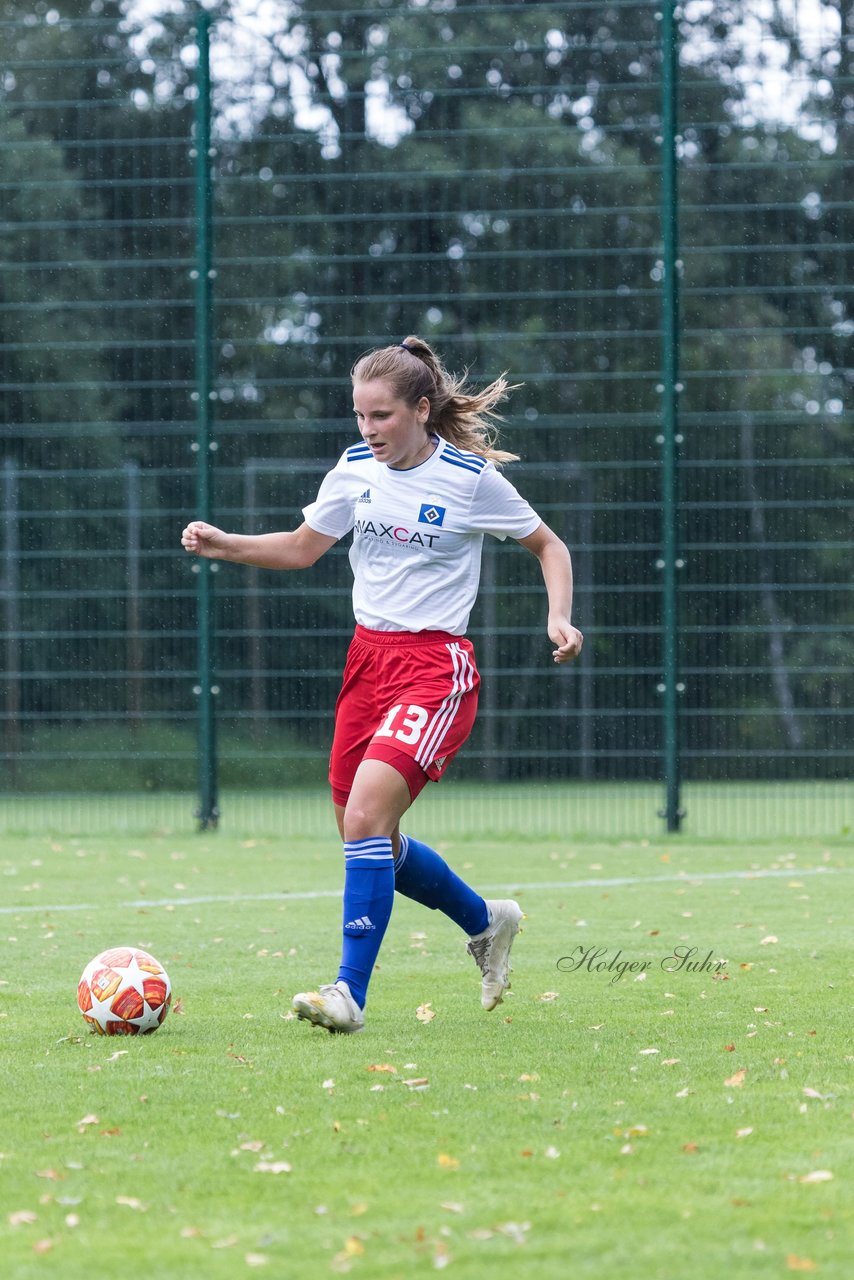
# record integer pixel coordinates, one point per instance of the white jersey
(417, 534)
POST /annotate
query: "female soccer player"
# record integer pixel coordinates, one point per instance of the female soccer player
(418, 492)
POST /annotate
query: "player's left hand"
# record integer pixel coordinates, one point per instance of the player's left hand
(567, 638)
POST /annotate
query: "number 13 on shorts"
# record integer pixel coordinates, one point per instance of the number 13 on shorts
(411, 724)
(431, 682)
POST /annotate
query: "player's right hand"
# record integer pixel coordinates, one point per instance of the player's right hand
(202, 539)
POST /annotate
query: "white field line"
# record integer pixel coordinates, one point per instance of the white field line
(515, 886)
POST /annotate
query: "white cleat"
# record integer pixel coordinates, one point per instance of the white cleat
(331, 1007)
(491, 949)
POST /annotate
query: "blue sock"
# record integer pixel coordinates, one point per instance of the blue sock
(422, 874)
(368, 899)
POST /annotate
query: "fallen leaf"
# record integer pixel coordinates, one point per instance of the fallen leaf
(453, 1206)
(43, 1246)
(383, 1066)
(737, 1080)
(424, 1013)
(818, 1175)
(527, 1078)
(120, 1053)
(645, 1051)
(729, 1048)
(255, 1146)
(548, 996)
(256, 1259)
(794, 1263)
(131, 1202)
(226, 1243)
(670, 1062)
(22, 1217)
(743, 1133)
(441, 1256)
(769, 939)
(447, 1162)
(272, 1166)
(515, 1230)
(690, 1148)
(50, 1174)
(417, 1082)
(812, 1093)
(87, 1120)
(633, 1131)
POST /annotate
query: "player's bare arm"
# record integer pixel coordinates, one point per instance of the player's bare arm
(297, 549)
(556, 566)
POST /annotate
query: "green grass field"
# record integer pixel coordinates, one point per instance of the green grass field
(668, 1122)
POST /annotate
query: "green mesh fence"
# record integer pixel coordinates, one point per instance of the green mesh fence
(490, 176)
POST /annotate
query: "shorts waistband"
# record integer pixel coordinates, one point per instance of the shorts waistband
(391, 638)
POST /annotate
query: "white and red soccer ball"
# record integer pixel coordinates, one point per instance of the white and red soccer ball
(124, 992)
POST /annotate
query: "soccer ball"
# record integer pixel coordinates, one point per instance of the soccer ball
(124, 992)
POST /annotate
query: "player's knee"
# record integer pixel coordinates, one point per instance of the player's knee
(362, 821)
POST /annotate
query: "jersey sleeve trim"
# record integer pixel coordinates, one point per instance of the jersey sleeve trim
(458, 458)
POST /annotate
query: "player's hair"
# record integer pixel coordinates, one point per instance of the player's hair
(459, 414)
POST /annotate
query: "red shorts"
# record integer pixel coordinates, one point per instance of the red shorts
(408, 698)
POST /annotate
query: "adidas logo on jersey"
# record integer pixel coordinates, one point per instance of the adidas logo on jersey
(363, 925)
(364, 497)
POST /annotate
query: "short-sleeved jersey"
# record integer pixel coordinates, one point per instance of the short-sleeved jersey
(418, 533)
